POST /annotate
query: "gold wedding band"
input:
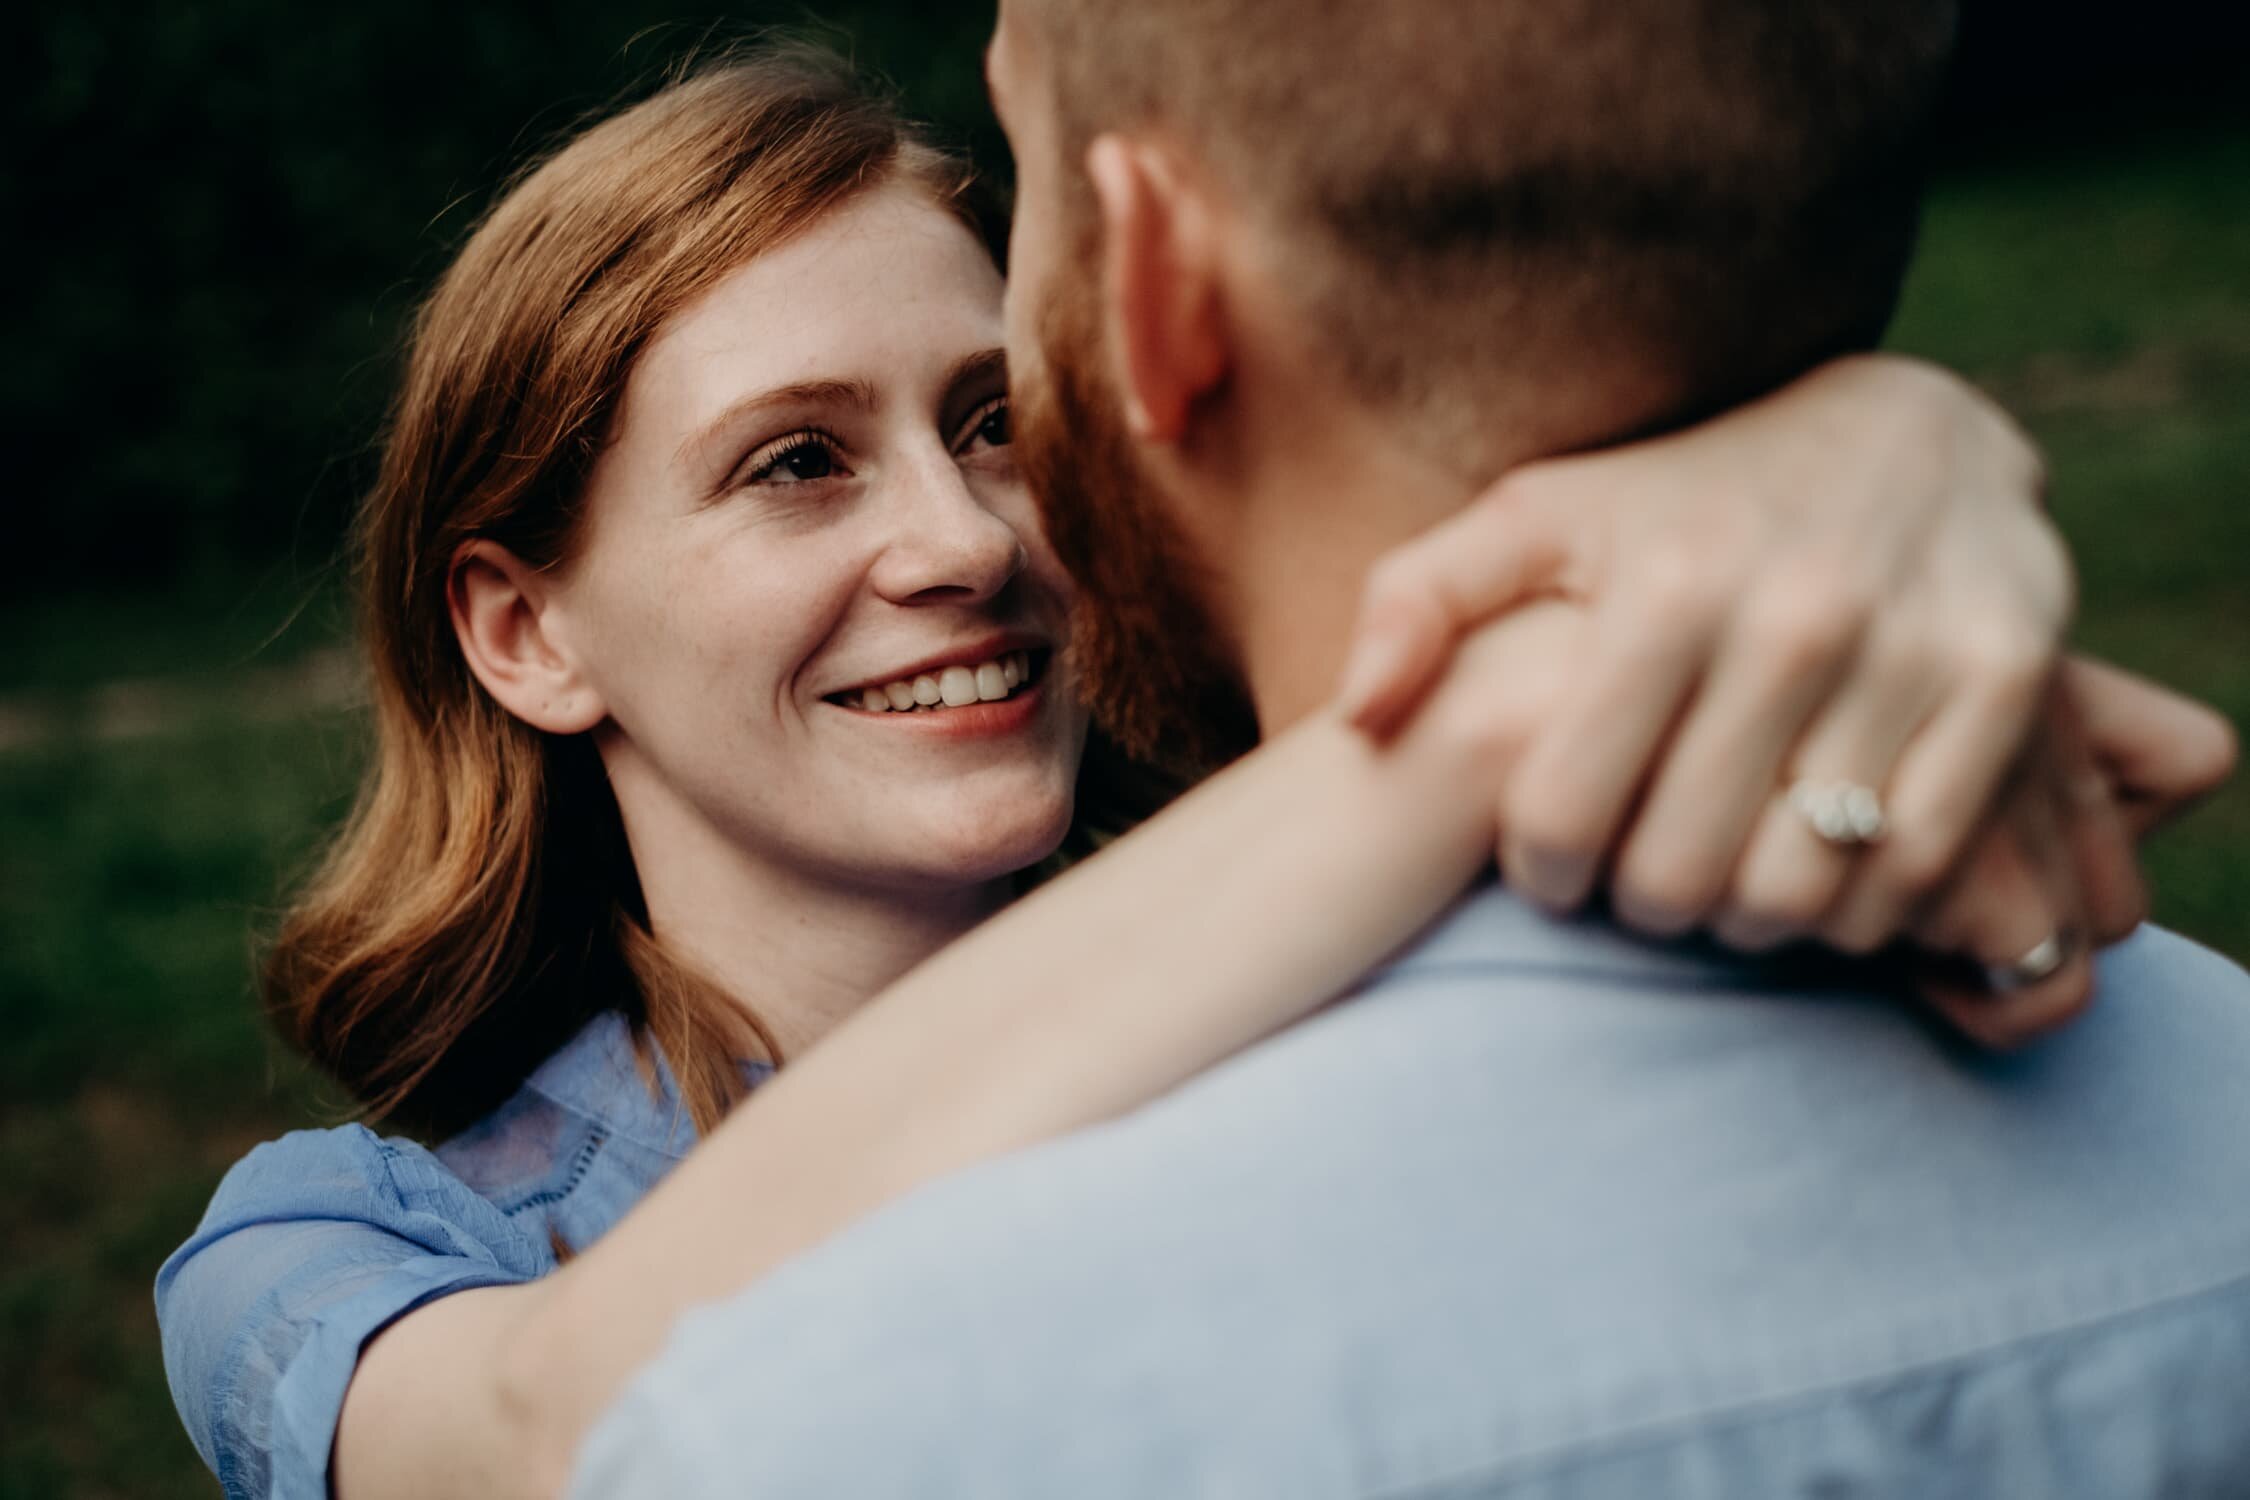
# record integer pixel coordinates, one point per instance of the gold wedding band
(2049, 957)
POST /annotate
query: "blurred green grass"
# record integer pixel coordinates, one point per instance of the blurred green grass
(2106, 301)
(146, 829)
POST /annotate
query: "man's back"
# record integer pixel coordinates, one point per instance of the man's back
(1543, 1212)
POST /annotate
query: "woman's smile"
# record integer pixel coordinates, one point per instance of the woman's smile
(979, 719)
(988, 689)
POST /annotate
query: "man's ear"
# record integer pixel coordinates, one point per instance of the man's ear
(1160, 287)
(500, 614)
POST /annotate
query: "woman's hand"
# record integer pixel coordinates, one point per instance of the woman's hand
(1851, 581)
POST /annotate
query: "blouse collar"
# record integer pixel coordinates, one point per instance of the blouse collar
(597, 1074)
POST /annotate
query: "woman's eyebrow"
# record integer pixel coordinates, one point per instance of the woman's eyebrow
(978, 366)
(856, 393)
(970, 381)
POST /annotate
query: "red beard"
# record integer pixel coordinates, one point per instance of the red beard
(1157, 673)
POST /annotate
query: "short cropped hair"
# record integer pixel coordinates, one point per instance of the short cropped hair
(1696, 198)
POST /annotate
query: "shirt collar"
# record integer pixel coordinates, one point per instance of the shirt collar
(597, 1074)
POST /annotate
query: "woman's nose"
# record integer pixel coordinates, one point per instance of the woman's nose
(948, 546)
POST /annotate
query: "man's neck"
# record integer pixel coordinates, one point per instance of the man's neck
(1323, 496)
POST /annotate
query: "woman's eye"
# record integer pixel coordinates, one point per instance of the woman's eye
(798, 460)
(990, 426)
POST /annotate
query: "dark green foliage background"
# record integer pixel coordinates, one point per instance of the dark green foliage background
(229, 209)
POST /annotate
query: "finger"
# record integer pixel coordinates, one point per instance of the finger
(2162, 751)
(1572, 789)
(1508, 546)
(1719, 772)
(1948, 780)
(2013, 896)
(1790, 877)
(2094, 838)
(1860, 738)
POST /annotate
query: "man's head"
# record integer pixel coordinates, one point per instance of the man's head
(1486, 230)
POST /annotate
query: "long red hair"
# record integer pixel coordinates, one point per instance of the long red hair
(480, 905)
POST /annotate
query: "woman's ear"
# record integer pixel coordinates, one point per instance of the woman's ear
(499, 605)
(1161, 285)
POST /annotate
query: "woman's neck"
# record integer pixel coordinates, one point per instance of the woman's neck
(801, 955)
(798, 952)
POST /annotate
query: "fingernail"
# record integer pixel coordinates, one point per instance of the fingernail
(1650, 919)
(1558, 882)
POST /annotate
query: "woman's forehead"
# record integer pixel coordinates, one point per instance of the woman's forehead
(890, 289)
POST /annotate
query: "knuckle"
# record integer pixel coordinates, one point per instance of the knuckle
(2042, 577)
(1910, 656)
(1394, 582)
(1934, 403)
(2009, 662)
(1524, 486)
(1920, 407)
(1552, 825)
(1810, 615)
(1680, 589)
(1485, 731)
(2212, 756)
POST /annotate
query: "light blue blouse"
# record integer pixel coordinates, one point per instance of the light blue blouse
(316, 1242)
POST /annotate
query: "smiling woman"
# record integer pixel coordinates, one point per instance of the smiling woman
(585, 522)
(800, 505)
(723, 675)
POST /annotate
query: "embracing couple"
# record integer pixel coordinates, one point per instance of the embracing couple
(880, 776)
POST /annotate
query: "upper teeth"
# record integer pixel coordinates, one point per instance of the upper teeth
(951, 687)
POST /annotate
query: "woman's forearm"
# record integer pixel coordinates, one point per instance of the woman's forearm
(1266, 891)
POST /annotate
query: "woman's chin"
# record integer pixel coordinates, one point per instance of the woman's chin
(997, 843)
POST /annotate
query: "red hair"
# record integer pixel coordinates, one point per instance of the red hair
(480, 905)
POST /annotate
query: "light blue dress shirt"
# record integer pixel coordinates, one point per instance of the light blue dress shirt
(316, 1242)
(1544, 1212)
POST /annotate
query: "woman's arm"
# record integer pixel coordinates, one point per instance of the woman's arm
(1255, 898)
(1266, 890)
(1242, 907)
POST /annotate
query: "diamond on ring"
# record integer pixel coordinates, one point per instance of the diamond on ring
(1843, 813)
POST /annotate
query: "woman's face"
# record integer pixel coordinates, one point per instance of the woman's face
(812, 593)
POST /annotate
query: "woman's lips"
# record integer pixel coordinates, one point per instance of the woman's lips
(946, 687)
(979, 720)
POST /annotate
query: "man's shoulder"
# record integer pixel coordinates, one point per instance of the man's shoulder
(1542, 1203)
(2162, 1002)
(2146, 1089)
(1490, 933)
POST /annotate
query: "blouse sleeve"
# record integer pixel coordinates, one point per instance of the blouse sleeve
(313, 1244)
